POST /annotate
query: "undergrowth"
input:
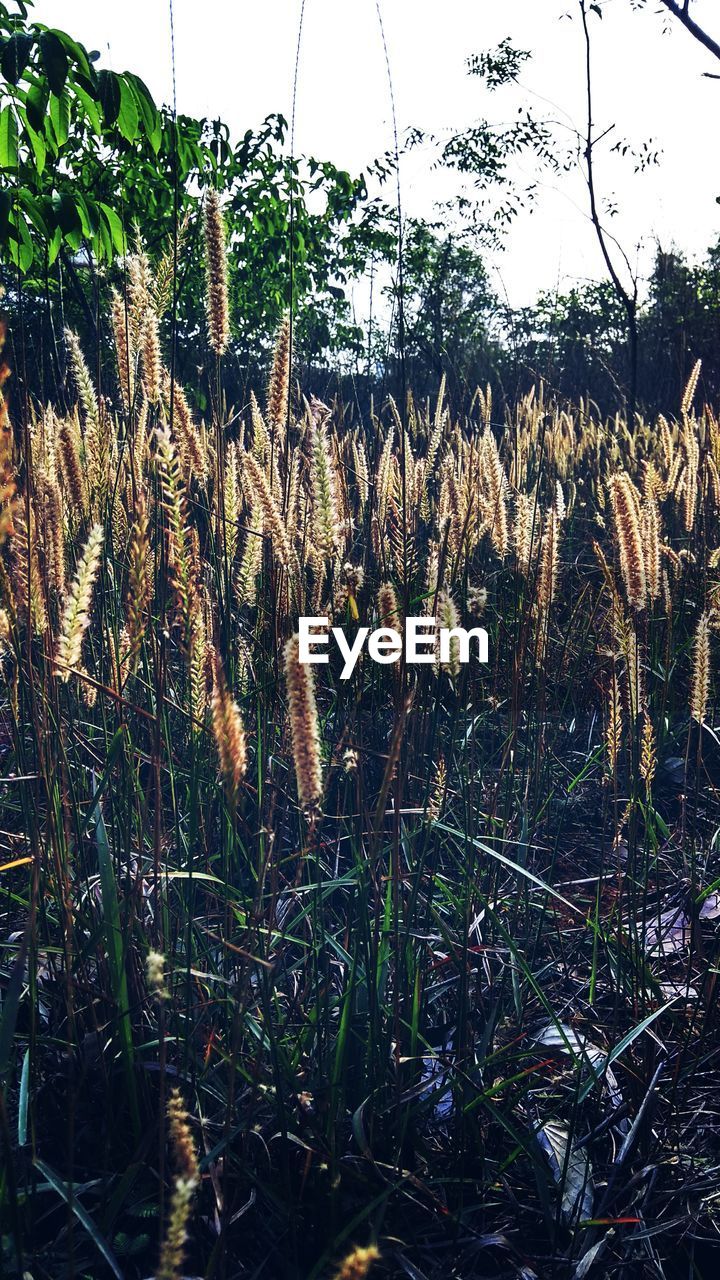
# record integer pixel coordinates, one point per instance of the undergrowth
(412, 972)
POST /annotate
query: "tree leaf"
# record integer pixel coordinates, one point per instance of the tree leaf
(88, 215)
(76, 52)
(5, 207)
(110, 98)
(38, 147)
(15, 56)
(36, 100)
(66, 214)
(8, 138)
(115, 227)
(128, 119)
(60, 117)
(36, 212)
(54, 60)
(91, 108)
(53, 247)
(149, 114)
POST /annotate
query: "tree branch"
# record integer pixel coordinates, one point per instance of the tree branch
(627, 299)
(682, 15)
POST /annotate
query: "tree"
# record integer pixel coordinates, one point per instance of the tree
(626, 296)
(451, 312)
(89, 165)
(483, 155)
(576, 343)
(56, 110)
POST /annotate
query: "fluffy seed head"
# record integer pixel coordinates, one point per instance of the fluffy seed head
(229, 734)
(630, 548)
(358, 1263)
(216, 287)
(700, 687)
(76, 618)
(186, 1181)
(304, 727)
(279, 385)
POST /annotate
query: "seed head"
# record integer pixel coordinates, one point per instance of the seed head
(216, 275)
(304, 727)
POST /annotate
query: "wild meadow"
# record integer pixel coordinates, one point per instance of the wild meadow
(411, 974)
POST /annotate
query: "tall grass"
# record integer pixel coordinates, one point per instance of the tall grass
(414, 971)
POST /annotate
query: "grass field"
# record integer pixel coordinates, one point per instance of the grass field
(412, 974)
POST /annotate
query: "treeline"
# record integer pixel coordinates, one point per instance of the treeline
(91, 169)
(575, 342)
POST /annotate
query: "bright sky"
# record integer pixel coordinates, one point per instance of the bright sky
(235, 59)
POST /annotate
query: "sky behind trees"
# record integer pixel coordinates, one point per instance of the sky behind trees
(649, 85)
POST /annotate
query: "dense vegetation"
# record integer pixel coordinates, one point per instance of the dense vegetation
(429, 953)
(414, 972)
(90, 163)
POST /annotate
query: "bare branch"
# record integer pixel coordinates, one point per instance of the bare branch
(683, 15)
(628, 299)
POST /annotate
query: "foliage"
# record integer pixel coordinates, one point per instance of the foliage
(450, 311)
(419, 961)
(485, 154)
(56, 110)
(575, 341)
(88, 162)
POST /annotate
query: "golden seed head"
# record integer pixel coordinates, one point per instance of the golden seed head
(358, 1263)
(279, 385)
(216, 285)
(700, 686)
(626, 512)
(228, 732)
(76, 617)
(304, 727)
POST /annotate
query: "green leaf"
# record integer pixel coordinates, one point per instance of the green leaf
(36, 211)
(8, 138)
(15, 56)
(110, 97)
(66, 213)
(23, 1100)
(92, 110)
(116, 958)
(60, 117)
(102, 242)
(76, 52)
(11, 1004)
(88, 215)
(115, 227)
(38, 147)
(149, 114)
(82, 1216)
(53, 248)
(54, 59)
(36, 100)
(128, 118)
(20, 245)
(5, 208)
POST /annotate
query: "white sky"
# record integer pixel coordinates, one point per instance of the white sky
(235, 59)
